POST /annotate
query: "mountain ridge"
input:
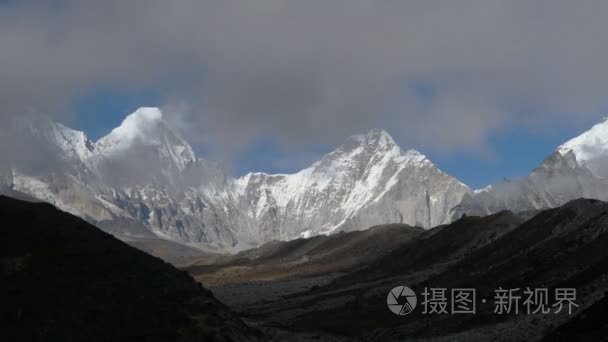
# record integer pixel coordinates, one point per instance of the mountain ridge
(144, 178)
(144, 173)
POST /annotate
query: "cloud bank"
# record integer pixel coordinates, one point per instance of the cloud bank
(437, 74)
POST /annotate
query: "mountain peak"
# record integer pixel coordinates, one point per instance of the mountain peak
(138, 122)
(146, 128)
(597, 136)
(376, 148)
(147, 113)
(375, 139)
(590, 148)
(143, 124)
(377, 132)
(375, 136)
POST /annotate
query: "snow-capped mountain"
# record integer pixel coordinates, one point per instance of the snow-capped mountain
(144, 179)
(576, 169)
(591, 149)
(369, 179)
(145, 140)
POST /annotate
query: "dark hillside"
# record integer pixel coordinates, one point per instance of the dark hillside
(62, 279)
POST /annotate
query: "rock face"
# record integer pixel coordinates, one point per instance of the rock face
(576, 169)
(143, 179)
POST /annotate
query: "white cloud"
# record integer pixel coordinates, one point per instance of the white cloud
(317, 70)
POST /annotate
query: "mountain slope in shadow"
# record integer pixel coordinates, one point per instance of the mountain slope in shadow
(558, 248)
(316, 256)
(62, 279)
(563, 247)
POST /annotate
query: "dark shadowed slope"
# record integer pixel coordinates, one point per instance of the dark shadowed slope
(316, 256)
(558, 248)
(62, 279)
(589, 325)
(442, 246)
(172, 252)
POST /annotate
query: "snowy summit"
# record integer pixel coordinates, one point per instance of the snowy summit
(591, 148)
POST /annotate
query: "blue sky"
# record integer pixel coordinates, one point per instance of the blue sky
(514, 152)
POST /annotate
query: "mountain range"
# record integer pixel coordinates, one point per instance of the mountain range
(143, 180)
